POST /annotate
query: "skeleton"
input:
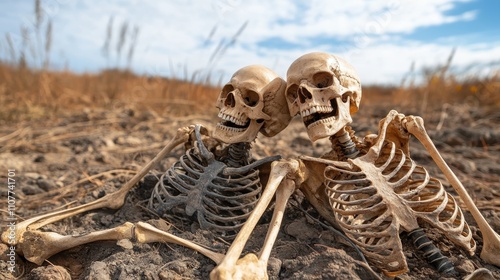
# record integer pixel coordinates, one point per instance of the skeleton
(370, 189)
(222, 190)
(225, 181)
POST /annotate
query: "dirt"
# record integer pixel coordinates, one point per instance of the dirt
(79, 158)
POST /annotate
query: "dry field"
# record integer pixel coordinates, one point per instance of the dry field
(73, 138)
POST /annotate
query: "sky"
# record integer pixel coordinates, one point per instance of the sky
(197, 40)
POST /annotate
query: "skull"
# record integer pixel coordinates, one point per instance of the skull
(252, 101)
(325, 90)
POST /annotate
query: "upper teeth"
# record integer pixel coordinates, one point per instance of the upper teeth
(231, 119)
(316, 109)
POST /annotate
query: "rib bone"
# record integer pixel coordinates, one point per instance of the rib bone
(376, 194)
(491, 239)
(220, 193)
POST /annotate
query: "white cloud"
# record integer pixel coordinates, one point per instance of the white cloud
(173, 34)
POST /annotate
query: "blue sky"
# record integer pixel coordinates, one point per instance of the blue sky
(381, 38)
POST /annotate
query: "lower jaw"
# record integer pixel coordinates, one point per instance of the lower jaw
(232, 135)
(231, 129)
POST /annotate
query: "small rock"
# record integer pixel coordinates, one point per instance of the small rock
(178, 266)
(33, 175)
(160, 224)
(128, 141)
(106, 220)
(125, 244)
(31, 190)
(109, 143)
(49, 273)
(465, 266)
(46, 184)
(39, 158)
(300, 229)
(98, 194)
(273, 268)
(99, 270)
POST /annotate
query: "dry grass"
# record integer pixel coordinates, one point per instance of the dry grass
(27, 94)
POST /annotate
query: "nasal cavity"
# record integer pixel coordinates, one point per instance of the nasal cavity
(304, 94)
(229, 102)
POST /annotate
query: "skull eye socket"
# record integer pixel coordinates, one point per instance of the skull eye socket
(322, 79)
(226, 90)
(292, 93)
(251, 98)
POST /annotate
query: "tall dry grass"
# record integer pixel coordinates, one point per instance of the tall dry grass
(32, 94)
(438, 87)
(27, 93)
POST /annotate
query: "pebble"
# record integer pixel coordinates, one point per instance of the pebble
(31, 190)
(178, 266)
(125, 244)
(106, 220)
(46, 184)
(34, 176)
(273, 267)
(466, 266)
(99, 270)
(301, 230)
(128, 141)
(39, 158)
(49, 273)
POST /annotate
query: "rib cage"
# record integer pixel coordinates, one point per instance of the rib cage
(219, 197)
(373, 195)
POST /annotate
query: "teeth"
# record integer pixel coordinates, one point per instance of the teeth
(231, 119)
(327, 120)
(316, 109)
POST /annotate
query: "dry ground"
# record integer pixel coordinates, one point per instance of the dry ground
(76, 159)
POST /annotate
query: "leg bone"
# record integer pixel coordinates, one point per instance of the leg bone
(146, 233)
(491, 239)
(38, 246)
(113, 200)
(251, 267)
